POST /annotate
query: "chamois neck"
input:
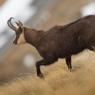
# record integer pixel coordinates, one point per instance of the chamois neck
(33, 36)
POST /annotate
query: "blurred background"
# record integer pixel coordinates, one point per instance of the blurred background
(17, 61)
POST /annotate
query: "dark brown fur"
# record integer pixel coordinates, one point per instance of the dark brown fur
(62, 41)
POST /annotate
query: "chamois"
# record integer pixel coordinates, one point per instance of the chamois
(59, 41)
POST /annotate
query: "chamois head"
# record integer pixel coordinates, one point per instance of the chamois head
(19, 31)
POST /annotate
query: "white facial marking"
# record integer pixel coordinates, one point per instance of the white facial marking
(21, 39)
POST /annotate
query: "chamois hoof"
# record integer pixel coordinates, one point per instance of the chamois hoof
(40, 75)
(70, 69)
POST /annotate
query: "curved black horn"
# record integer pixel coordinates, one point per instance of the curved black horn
(20, 24)
(11, 25)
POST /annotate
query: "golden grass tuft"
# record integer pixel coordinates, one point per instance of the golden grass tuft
(58, 80)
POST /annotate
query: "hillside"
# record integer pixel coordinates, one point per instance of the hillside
(58, 80)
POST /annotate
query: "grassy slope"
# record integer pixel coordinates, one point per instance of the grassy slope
(58, 80)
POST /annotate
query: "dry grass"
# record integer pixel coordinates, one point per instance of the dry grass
(58, 80)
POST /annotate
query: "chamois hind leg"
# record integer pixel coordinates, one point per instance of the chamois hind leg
(68, 62)
(43, 62)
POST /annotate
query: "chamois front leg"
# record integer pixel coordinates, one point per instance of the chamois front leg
(39, 73)
(68, 62)
(42, 62)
